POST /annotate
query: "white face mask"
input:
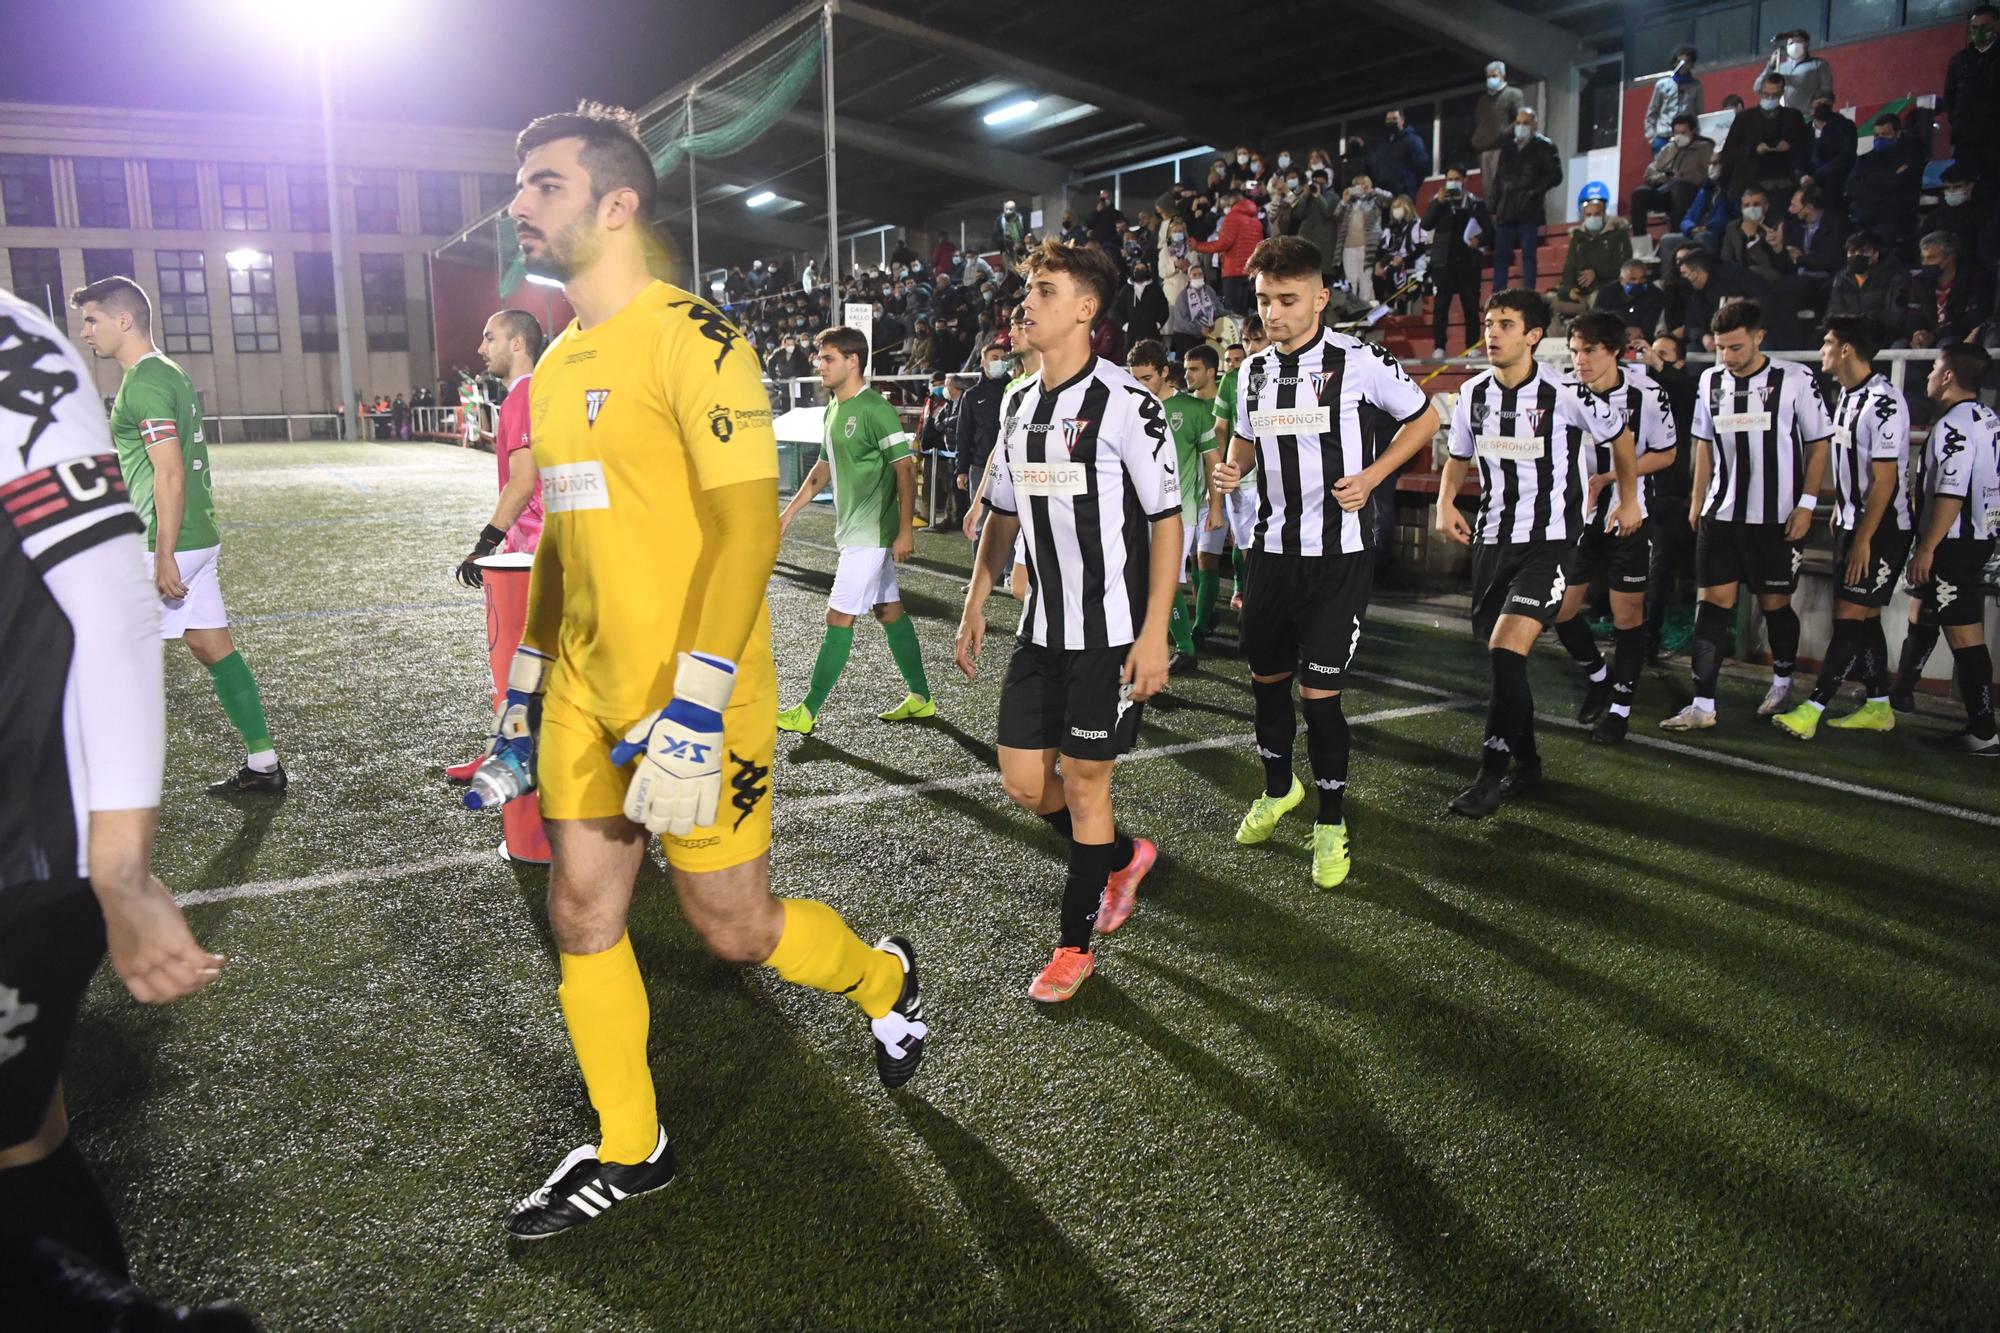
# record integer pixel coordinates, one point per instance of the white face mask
(1196, 280)
(1681, 141)
(1768, 103)
(1494, 83)
(996, 369)
(1178, 236)
(1523, 133)
(1400, 213)
(1795, 50)
(1284, 160)
(1593, 222)
(1753, 212)
(1957, 197)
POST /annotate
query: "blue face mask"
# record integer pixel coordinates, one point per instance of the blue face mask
(1883, 141)
(1631, 287)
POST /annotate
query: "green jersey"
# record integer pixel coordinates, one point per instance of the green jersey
(1225, 412)
(1191, 421)
(155, 407)
(864, 441)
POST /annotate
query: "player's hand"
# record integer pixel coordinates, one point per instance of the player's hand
(1918, 572)
(960, 480)
(1626, 519)
(167, 577)
(519, 718)
(1595, 487)
(679, 781)
(904, 546)
(1352, 491)
(1146, 667)
(1452, 523)
(489, 541)
(152, 950)
(1211, 520)
(971, 638)
(785, 522)
(1857, 562)
(1226, 477)
(971, 524)
(1694, 514)
(1798, 524)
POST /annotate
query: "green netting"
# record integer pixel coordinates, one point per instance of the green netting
(736, 112)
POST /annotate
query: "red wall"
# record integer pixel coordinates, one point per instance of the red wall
(1867, 74)
(463, 296)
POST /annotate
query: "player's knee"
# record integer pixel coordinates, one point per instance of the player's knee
(1308, 692)
(839, 620)
(1023, 789)
(888, 613)
(734, 940)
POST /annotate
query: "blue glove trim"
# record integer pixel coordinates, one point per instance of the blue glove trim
(692, 715)
(719, 663)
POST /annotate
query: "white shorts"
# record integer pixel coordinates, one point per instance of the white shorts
(202, 607)
(1210, 543)
(1240, 508)
(865, 580)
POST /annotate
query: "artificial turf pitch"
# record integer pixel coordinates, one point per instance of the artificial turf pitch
(1677, 1043)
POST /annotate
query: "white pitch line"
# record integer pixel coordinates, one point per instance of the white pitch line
(271, 888)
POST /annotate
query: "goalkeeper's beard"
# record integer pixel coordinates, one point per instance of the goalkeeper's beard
(564, 254)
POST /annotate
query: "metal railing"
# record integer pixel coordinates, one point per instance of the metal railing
(270, 427)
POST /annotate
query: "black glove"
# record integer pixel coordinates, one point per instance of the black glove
(469, 573)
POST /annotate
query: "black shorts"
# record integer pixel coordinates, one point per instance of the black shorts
(1516, 579)
(51, 941)
(1622, 562)
(1757, 554)
(1956, 594)
(1068, 699)
(1888, 551)
(1303, 613)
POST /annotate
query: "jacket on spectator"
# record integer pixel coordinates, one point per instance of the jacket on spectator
(1528, 171)
(1804, 80)
(1010, 230)
(1712, 210)
(1108, 341)
(1882, 191)
(1822, 249)
(1105, 227)
(1967, 305)
(1400, 162)
(1601, 252)
(1972, 100)
(1966, 221)
(1642, 306)
(1886, 296)
(1195, 309)
(1373, 209)
(1493, 118)
(1688, 164)
(1672, 96)
(1401, 244)
(1447, 224)
(1234, 240)
(1314, 215)
(1172, 262)
(977, 427)
(1698, 307)
(1140, 310)
(1831, 156)
(1743, 166)
(940, 419)
(944, 255)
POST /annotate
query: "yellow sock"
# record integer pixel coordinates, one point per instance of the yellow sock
(604, 1002)
(818, 950)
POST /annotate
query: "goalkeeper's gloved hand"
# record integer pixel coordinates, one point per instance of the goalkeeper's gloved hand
(489, 541)
(679, 782)
(520, 715)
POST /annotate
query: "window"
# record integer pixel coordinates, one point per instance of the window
(318, 331)
(1930, 11)
(375, 202)
(176, 195)
(100, 192)
(1599, 102)
(246, 197)
(38, 281)
(183, 311)
(1858, 18)
(1728, 34)
(384, 303)
(495, 191)
(307, 187)
(1455, 134)
(24, 184)
(253, 301)
(101, 264)
(438, 210)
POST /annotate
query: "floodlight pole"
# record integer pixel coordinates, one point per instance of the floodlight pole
(826, 115)
(694, 203)
(333, 220)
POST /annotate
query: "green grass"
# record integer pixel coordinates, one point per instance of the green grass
(1676, 1044)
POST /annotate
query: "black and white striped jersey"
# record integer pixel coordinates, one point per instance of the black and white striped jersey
(1535, 443)
(1759, 425)
(1088, 468)
(1962, 458)
(1302, 411)
(82, 709)
(1870, 425)
(1643, 406)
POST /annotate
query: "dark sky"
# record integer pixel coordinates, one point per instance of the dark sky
(498, 63)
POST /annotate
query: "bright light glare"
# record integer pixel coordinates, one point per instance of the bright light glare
(759, 199)
(343, 25)
(241, 260)
(541, 281)
(1012, 111)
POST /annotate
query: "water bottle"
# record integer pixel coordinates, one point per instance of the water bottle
(498, 779)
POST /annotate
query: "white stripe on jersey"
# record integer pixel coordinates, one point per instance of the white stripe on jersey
(1759, 425)
(1870, 425)
(1962, 458)
(1087, 467)
(1641, 404)
(1302, 410)
(1534, 446)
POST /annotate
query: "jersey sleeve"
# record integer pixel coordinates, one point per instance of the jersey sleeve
(1593, 415)
(1225, 400)
(710, 379)
(1810, 411)
(515, 426)
(891, 438)
(1702, 426)
(1654, 430)
(1461, 442)
(1951, 447)
(1148, 454)
(1888, 428)
(1000, 481)
(1390, 387)
(151, 400)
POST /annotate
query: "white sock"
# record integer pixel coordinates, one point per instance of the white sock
(1597, 676)
(1704, 705)
(264, 761)
(1878, 698)
(1816, 705)
(1621, 710)
(1778, 680)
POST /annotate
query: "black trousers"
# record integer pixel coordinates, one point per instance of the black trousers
(1461, 281)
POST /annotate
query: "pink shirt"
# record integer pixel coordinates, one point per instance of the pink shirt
(509, 434)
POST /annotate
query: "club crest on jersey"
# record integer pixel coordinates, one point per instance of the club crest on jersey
(1764, 392)
(1319, 379)
(719, 424)
(1073, 431)
(1529, 419)
(847, 431)
(593, 403)
(1256, 380)
(1477, 411)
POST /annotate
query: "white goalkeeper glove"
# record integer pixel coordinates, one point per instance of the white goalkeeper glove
(679, 782)
(517, 720)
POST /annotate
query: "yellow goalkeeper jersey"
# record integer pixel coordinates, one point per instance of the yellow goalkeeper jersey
(633, 421)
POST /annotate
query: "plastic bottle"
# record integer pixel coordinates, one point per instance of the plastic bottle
(498, 780)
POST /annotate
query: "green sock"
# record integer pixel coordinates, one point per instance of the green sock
(1207, 585)
(236, 688)
(1179, 626)
(909, 658)
(833, 650)
(1236, 567)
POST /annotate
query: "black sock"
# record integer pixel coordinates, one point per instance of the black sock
(1121, 849)
(1058, 820)
(1711, 645)
(1875, 652)
(1574, 635)
(1628, 654)
(1842, 650)
(57, 1199)
(1326, 746)
(1917, 646)
(1090, 866)
(1975, 687)
(1508, 712)
(1275, 726)
(1782, 625)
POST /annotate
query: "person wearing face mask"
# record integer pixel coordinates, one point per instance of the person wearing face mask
(1962, 213)
(1817, 244)
(1312, 220)
(1140, 308)
(1529, 168)
(1757, 242)
(1949, 300)
(978, 423)
(1010, 231)
(1106, 225)
(1676, 94)
(1677, 172)
(1806, 76)
(1357, 223)
(1768, 144)
(1400, 254)
(1972, 94)
(1401, 160)
(1459, 227)
(1194, 312)
(1633, 298)
(1831, 156)
(1234, 241)
(1599, 245)
(1870, 285)
(1494, 113)
(1883, 188)
(1172, 259)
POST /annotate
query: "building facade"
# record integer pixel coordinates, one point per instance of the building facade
(223, 219)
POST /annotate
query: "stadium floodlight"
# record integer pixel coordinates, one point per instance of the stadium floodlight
(541, 281)
(243, 260)
(759, 199)
(1012, 111)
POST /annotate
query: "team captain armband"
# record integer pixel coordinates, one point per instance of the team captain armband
(39, 502)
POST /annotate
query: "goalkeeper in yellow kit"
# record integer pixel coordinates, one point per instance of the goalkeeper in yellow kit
(643, 697)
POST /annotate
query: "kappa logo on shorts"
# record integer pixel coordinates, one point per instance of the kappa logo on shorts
(1124, 701)
(1557, 590)
(593, 403)
(1085, 735)
(1323, 669)
(1946, 594)
(749, 786)
(13, 1014)
(1798, 559)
